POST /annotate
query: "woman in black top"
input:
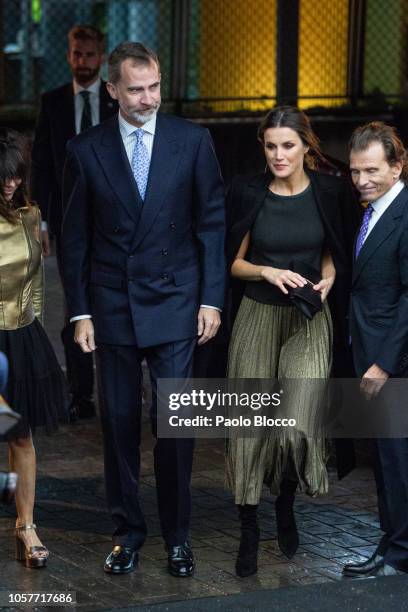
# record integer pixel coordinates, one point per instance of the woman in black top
(290, 214)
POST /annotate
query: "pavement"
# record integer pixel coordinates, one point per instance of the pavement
(74, 523)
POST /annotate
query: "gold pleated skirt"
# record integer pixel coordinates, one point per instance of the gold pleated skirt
(271, 341)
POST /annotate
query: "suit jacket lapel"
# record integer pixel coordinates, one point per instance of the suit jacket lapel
(163, 166)
(380, 232)
(112, 156)
(66, 112)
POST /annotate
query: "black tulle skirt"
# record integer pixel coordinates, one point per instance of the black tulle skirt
(36, 386)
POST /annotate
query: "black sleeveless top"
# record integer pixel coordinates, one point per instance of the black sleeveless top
(285, 228)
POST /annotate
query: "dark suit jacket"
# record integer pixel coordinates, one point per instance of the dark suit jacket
(141, 269)
(379, 297)
(55, 126)
(339, 213)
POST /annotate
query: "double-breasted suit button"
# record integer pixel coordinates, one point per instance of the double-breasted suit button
(115, 230)
(172, 226)
(131, 256)
(130, 280)
(165, 252)
(164, 276)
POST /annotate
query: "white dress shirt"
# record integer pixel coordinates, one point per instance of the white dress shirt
(79, 103)
(127, 132)
(381, 205)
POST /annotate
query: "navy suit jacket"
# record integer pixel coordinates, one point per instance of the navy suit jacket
(379, 296)
(55, 126)
(142, 269)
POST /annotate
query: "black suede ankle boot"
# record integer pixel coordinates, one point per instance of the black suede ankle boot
(247, 560)
(288, 537)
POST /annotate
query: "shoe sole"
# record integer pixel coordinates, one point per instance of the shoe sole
(176, 575)
(357, 574)
(118, 572)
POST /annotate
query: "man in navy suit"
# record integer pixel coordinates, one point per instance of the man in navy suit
(379, 321)
(64, 112)
(143, 263)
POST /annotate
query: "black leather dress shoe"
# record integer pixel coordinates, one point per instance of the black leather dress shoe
(81, 408)
(121, 560)
(180, 560)
(364, 568)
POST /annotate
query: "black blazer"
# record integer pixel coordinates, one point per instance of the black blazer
(55, 126)
(339, 213)
(379, 296)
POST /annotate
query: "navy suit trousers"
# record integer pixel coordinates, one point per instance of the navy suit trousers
(120, 387)
(391, 475)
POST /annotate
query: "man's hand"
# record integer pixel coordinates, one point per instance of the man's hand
(373, 381)
(84, 335)
(45, 243)
(209, 321)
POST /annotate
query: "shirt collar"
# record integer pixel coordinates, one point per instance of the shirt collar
(94, 88)
(127, 128)
(385, 200)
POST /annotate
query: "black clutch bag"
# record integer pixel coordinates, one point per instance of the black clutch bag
(305, 298)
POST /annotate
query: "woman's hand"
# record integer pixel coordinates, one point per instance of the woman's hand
(328, 274)
(324, 286)
(280, 278)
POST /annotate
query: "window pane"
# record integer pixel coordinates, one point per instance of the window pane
(385, 47)
(323, 43)
(233, 53)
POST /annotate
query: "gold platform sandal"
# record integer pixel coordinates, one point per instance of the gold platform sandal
(29, 554)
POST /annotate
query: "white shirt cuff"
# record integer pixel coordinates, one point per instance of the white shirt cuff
(79, 318)
(212, 307)
(44, 226)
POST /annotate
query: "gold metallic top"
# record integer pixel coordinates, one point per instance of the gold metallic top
(21, 270)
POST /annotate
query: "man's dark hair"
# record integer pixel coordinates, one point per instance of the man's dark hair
(135, 51)
(378, 131)
(84, 31)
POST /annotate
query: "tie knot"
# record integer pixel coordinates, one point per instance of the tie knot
(139, 135)
(369, 210)
(85, 94)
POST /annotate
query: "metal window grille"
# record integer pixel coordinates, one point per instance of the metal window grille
(217, 56)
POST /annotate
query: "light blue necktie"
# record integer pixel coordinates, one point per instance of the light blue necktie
(364, 228)
(140, 162)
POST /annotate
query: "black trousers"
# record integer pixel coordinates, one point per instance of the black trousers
(120, 391)
(391, 475)
(79, 365)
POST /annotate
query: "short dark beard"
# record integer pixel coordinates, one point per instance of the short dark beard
(85, 79)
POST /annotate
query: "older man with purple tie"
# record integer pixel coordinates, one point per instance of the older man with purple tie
(379, 322)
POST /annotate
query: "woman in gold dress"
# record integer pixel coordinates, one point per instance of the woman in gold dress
(35, 386)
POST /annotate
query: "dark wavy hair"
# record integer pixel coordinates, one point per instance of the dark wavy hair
(295, 119)
(14, 163)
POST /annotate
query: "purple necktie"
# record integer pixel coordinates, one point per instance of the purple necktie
(364, 228)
